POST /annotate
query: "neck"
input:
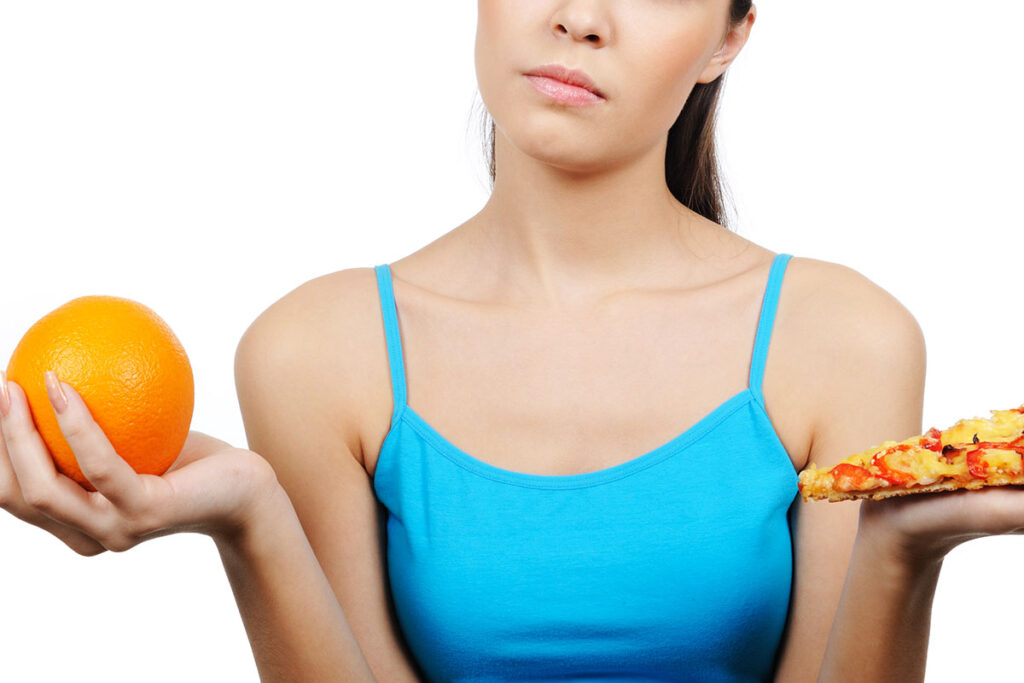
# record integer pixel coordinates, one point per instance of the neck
(569, 236)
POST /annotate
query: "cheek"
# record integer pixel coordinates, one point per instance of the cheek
(663, 84)
(492, 31)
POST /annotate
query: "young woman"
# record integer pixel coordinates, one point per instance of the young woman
(561, 441)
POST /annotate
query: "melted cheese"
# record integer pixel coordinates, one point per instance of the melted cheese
(1004, 425)
(1005, 461)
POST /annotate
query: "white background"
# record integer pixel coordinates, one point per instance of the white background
(207, 157)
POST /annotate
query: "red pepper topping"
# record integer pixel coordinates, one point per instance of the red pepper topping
(889, 474)
(932, 439)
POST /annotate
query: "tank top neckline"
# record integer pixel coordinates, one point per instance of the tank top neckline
(695, 432)
(404, 413)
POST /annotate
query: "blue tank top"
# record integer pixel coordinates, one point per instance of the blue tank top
(673, 566)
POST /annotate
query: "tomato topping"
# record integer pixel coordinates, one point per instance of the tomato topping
(976, 465)
(849, 477)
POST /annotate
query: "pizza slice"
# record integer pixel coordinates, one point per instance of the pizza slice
(971, 454)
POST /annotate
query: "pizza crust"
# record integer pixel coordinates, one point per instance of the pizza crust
(889, 492)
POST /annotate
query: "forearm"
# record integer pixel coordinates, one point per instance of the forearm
(295, 625)
(880, 632)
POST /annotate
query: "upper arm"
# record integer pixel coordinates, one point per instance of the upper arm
(869, 353)
(297, 376)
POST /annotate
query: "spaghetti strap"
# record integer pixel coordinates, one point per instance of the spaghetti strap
(394, 340)
(764, 324)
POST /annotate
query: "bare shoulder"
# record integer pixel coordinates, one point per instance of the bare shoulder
(858, 345)
(326, 336)
(825, 294)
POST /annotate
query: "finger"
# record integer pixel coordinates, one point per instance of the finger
(8, 481)
(12, 501)
(99, 462)
(77, 540)
(38, 482)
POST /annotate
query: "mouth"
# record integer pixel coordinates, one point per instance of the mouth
(563, 93)
(566, 76)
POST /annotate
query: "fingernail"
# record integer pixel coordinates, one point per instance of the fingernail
(56, 392)
(5, 397)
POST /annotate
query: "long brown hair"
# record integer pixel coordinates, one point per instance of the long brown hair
(691, 157)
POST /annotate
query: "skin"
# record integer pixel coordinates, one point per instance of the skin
(579, 209)
(580, 251)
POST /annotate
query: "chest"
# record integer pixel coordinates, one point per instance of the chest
(576, 391)
(645, 573)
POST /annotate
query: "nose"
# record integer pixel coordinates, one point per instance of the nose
(581, 21)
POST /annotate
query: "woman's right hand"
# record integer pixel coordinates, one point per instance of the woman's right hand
(212, 487)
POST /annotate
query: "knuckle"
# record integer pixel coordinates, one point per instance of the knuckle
(88, 551)
(36, 497)
(47, 507)
(118, 543)
(111, 540)
(99, 477)
(115, 537)
(13, 437)
(73, 428)
(82, 546)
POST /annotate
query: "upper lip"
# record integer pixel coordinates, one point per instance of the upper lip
(566, 75)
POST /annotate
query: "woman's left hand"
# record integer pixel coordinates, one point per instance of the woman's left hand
(926, 526)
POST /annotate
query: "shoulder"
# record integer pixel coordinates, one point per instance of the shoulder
(318, 304)
(844, 310)
(826, 298)
(315, 342)
(862, 356)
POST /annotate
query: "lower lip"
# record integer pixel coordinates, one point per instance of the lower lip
(563, 92)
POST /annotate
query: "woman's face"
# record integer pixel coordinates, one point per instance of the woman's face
(643, 55)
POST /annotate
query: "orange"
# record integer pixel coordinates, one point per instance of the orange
(129, 368)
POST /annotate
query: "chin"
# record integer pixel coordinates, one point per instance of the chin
(564, 145)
